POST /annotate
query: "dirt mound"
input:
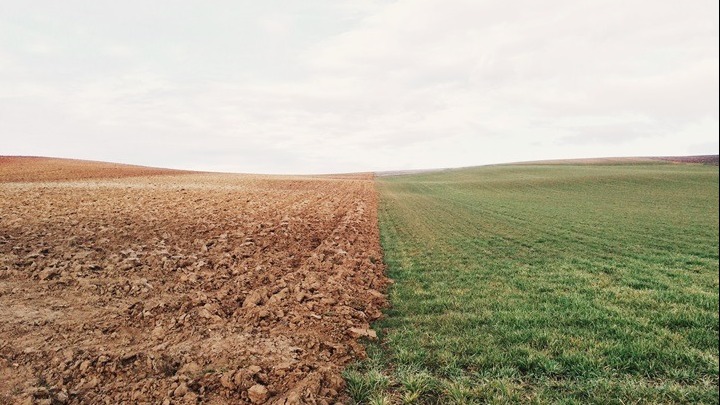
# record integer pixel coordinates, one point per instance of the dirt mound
(38, 169)
(186, 289)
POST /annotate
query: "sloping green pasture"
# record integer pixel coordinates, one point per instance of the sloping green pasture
(548, 284)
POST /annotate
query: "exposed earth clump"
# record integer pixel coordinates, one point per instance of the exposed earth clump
(185, 288)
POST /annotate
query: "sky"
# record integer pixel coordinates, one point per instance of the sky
(330, 86)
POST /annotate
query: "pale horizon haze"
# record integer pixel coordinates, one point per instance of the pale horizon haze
(350, 86)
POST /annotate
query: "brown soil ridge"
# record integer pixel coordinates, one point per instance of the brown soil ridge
(38, 169)
(698, 159)
(711, 160)
(200, 288)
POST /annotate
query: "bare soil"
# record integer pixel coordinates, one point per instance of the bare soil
(711, 160)
(38, 169)
(191, 288)
(699, 159)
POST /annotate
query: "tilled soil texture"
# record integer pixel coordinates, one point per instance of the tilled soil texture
(38, 169)
(196, 288)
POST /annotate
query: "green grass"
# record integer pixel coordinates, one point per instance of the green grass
(569, 284)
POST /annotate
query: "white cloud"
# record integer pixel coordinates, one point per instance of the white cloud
(350, 86)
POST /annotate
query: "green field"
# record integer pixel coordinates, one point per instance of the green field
(548, 284)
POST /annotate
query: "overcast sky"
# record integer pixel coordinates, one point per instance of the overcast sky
(330, 86)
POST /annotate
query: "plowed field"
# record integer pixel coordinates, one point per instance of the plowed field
(38, 169)
(184, 288)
